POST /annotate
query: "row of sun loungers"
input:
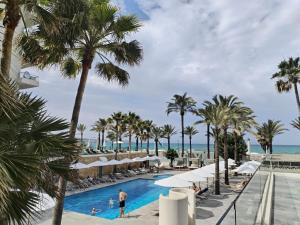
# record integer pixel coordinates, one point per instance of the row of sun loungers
(85, 183)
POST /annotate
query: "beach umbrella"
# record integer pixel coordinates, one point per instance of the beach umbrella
(253, 162)
(97, 163)
(113, 162)
(78, 166)
(231, 162)
(204, 171)
(139, 159)
(173, 182)
(126, 160)
(190, 176)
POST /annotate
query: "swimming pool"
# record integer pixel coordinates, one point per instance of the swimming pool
(140, 192)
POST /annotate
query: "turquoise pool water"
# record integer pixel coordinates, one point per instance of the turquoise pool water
(140, 192)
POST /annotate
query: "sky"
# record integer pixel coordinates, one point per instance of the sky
(202, 47)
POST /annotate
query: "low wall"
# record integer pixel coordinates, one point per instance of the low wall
(94, 171)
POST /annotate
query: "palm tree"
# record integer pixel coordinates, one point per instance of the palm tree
(131, 120)
(148, 124)
(267, 131)
(156, 134)
(190, 131)
(231, 106)
(89, 28)
(243, 121)
(168, 131)
(29, 141)
(288, 77)
(103, 123)
(81, 128)
(181, 104)
(296, 123)
(13, 13)
(208, 133)
(112, 137)
(116, 120)
(97, 128)
(216, 115)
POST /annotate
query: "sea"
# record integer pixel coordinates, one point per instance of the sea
(277, 149)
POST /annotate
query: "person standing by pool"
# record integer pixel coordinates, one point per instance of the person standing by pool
(122, 198)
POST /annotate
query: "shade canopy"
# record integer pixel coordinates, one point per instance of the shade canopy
(118, 142)
(126, 160)
(97, 163)
(139, 159)
(248, 167)
(190, 176)
(231, 162)
(204, 171)
(113, 162)
(78, 166)
(173, 182)
(151, 158)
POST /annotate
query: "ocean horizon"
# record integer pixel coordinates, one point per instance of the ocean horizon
(277, 149)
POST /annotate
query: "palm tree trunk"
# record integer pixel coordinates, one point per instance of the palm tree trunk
(297, 97)
(235, 147)
(81, 137)
(120, 140)
(102, 141)
(141, 144)
(190, 146)
(217, 169)
(169, 146)
(136, 143)
(59, 206)
(129, 142)
(99, 140)
(10, 22)
(148, 146)
(271, 146)
(182, 135)
(208, 140)
(156, 147)
(226, 157)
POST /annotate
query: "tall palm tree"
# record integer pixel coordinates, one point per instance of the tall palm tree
(243, 121)
(89, 28)
(190, 131)
(131, 120)
(156, 134)
(208, 133)
(288, 77)
(148, 124)
(267, 131)
(116, 122)
(168, 131)
(103, 123)
(97, 128)
(216, 115)
(13, 13)
(181, 104)
(231, 104)
(112, 137)
(81, 128)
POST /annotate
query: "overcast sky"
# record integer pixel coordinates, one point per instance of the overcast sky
(202, 47)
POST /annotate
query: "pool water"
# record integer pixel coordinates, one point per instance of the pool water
(140, 193)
